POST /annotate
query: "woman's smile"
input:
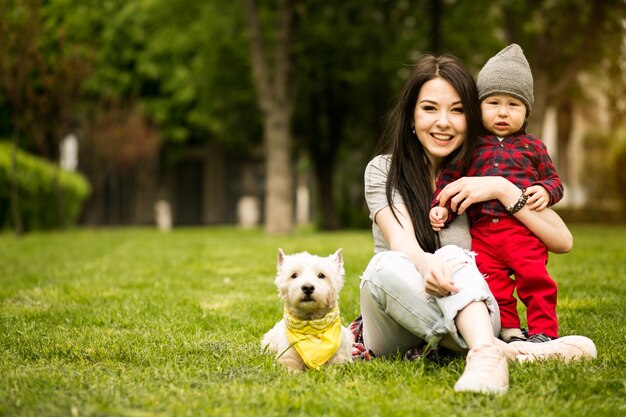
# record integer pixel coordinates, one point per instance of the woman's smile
(442, 137)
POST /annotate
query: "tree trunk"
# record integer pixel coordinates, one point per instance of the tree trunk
(565, 124)
(272, 89)
(324, 172)
(436, 15)
(279, 207)
(540, 105)
(15, 194)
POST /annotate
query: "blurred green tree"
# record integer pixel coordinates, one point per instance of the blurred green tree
(562, 39)
(184, 71)
(347, 56)
(186, 66)
(42, 66)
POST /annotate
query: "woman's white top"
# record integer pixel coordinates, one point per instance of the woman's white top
(376, 172)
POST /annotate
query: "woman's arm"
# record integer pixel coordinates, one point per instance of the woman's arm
(548, 226)
(545, 224)
(400, 236)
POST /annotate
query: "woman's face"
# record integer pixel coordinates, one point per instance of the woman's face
(439, 120)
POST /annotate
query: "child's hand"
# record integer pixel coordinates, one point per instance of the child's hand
(538, 197)
(438, 216)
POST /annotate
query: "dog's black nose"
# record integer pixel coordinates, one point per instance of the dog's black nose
(308, 289)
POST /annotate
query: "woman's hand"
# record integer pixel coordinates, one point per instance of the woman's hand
(438, 280)
(466, 191)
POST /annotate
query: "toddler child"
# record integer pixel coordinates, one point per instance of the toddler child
(504, 246)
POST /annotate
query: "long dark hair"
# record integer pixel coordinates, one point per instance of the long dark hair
(410, 169)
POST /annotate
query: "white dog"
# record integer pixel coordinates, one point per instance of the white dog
(310, 333)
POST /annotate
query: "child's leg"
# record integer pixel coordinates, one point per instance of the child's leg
(486, 239)
(535, 288)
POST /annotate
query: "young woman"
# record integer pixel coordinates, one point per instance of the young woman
(417, 289)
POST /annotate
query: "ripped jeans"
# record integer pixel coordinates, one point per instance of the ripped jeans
(399, 315)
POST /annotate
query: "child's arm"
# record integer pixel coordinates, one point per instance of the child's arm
(444, 214)
(548, 180)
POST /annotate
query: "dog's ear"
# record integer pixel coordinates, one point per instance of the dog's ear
(281, 257)
(338, 259)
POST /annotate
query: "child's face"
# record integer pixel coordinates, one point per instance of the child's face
(503, 115)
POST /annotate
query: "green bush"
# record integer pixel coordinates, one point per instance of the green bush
(48, 197)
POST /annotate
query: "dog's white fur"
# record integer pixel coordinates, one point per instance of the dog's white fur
(322, 278)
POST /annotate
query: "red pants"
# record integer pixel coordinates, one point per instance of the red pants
(505, 247)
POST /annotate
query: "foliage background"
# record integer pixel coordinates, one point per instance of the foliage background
(147, 78)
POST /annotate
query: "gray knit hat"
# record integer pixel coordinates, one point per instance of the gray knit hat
(507, 73)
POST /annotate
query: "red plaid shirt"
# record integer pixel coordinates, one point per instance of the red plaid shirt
(521, 158)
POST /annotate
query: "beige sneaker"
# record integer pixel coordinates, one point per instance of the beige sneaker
(486, 372)
(567, 349)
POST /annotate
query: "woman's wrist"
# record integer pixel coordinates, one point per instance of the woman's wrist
(519, 204)
(420, 260)
(509, 193)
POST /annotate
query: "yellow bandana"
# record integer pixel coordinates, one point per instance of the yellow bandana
(316, 341)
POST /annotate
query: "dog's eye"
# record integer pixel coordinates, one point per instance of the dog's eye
(321, 275)
(294, 275)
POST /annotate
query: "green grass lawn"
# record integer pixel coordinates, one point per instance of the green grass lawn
(134, 322)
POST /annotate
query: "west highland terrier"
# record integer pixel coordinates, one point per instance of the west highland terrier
(310, 333)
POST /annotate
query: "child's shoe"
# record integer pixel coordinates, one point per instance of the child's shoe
(539, 338)
(512, 334)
